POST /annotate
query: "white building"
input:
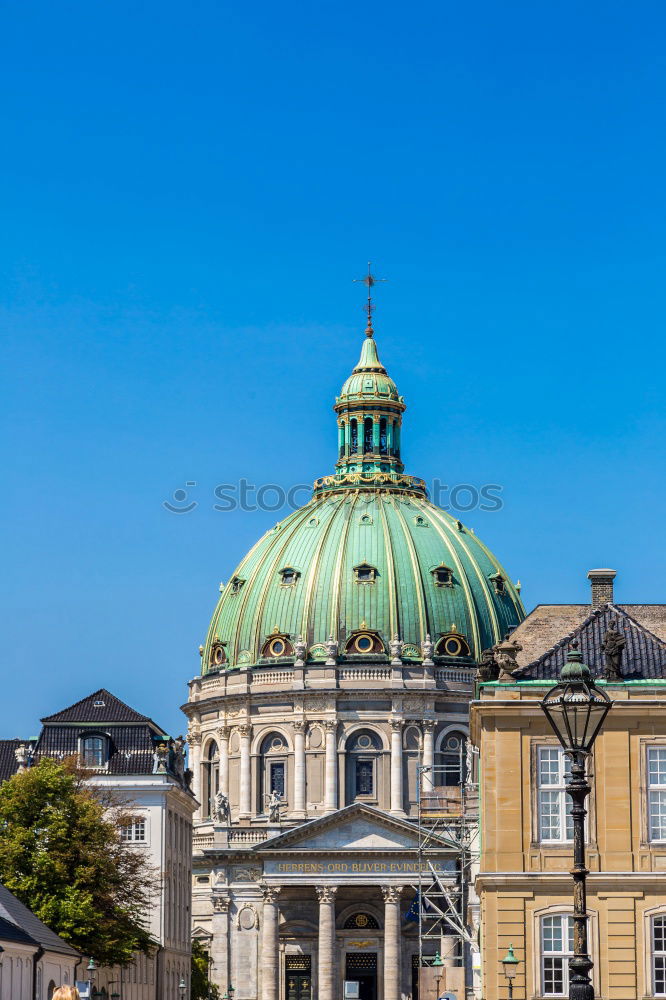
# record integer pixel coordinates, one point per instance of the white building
(128, 753)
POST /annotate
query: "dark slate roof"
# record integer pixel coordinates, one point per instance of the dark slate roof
(100, 707)
(131, 748)
(14, 912)
(10, 932)
(644, 655)
(8, 762)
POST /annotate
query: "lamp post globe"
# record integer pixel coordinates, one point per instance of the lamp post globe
(576, 710)
(182, 988)
(510, 966)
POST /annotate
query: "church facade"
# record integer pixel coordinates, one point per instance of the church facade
(335, 680)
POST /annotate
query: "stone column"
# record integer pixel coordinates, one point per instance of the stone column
(223, 740)
(428, 782)
(331, 770)
(392, 968)
(269, 945)
(219, 946)
(194, 762)
(299, 770)
(396, 767)
(245, 775)
(326, 947)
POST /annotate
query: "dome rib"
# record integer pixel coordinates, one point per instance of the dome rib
(462, 573)
(269, 581)
(337, 572)
(484, 584)
(499, 568)
(418, 580)
(314, 572)
(394, 617)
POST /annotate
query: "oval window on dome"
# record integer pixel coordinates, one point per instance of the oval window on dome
(277, 647)
(453, 645)
(364, 643)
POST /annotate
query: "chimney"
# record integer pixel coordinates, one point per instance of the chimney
(602, 586)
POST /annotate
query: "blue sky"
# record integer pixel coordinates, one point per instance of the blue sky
(187, 192)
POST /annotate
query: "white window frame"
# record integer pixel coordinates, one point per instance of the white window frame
(129, 831)
(556, 791)
(654, 954)
(104, 740)
(564, 954)
(656, 793)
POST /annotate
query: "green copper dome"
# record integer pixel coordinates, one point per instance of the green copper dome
(369, 558)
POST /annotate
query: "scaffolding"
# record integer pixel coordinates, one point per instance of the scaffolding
(448, 854)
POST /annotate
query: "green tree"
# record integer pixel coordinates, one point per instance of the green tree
(61, 853)
(201, 986)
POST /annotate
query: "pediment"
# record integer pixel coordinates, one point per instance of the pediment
(354, 828)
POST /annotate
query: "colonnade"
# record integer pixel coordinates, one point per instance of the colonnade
(331, 766)
(328, 972)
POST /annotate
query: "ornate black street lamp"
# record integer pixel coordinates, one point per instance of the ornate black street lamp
(576, 709)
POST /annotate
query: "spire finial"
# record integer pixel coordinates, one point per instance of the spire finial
(369, 281)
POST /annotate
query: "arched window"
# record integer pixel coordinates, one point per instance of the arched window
(94, 751)
(353, 443)
(274, 755)
(382, 436)
(556, 950)
(451, 759)
(51, 990)
(363, 757)
(210, 779)
(658, 953)
(367, 435)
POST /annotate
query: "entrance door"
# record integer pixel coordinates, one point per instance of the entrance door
(362, 967)
(298, 977)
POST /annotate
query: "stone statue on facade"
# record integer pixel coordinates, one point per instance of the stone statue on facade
(160, 758)
(487, 669)
(274, 805)
(613, 644)
(300, 649)
(22, 755)
(469, 762)
(505, 653)
(427, 649)
(221, 812)
(179, 757)
(331, 651)
(395, 646)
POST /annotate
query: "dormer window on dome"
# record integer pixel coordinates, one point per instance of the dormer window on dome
(277, 645)
(498, 582)
(364, 641)
(443, 576)
(365, 573)
(289, 576)
(236, 584)
(452, 644)
(218, 653)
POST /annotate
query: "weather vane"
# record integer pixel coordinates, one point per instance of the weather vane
(369, 281)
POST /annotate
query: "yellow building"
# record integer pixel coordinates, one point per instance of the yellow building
(524, 884)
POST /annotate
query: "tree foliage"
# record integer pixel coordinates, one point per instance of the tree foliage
(201, 987)
(61, 853)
